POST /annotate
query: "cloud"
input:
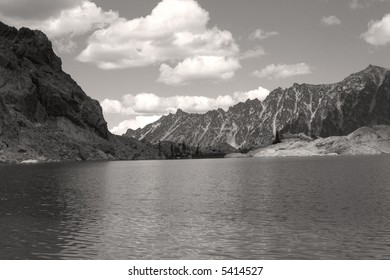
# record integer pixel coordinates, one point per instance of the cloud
(137, 122)
(174, 35)
(358, 4)
(149, 104)
(145, 108)
(261, 34)
(64, 45)
(258, 51)
(361, 4)
(260, 93)
(69, 23)
(330, 21)
(378, 33)
(112, 107)
(275, 72)
(199, 68)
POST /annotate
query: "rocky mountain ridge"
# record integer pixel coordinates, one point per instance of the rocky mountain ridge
(359, 100)
(44, 114)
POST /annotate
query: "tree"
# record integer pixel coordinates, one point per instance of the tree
(197, 151)
(172, 151)
(184, 147)
(277, 138)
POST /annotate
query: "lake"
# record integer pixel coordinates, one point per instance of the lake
(283, 208)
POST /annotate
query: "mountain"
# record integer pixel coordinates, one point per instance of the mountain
(325, 110)
(44, 114)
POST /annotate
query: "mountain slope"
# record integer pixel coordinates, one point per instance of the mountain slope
(320, 110)
(44, 113)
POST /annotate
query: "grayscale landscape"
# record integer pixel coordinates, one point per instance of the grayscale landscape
(202, 162)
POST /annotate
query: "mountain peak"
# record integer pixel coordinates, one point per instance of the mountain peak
(371, 66)
(317, 110)
(374, 69)
(180, 112)
(30, 44)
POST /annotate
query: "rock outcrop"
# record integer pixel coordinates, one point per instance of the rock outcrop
(362, 99)
(363, 141)
(44, 113)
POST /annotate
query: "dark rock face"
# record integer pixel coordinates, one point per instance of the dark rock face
(44, 109)
(33, 83)
(318, 110)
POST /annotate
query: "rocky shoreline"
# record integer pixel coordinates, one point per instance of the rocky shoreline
(373, 140)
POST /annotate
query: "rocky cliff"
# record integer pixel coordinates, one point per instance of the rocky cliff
(318, 110)
(44, 113)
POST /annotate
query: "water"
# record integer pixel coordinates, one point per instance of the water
(295, 208)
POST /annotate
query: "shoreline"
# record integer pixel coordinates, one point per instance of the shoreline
(373, 140)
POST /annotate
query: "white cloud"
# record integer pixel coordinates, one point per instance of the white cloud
(274, 72)
(123, 126)
(260, 93)
(330, 21)
(69, 23)
(199, 68)
(137, 122)
(149, 104)
(77, 21)
(64, 45)
(258, 51)
(378, 33)
(111, 106)
(261, 34)
(175, 32)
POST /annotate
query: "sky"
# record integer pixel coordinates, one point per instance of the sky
(144, 59)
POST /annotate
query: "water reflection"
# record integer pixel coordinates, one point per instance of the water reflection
(47, 210)
(316, 208)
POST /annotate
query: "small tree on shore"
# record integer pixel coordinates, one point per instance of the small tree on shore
(184, 146)
(277, 138)
(197, 151)
(172, 151)
(159, 148)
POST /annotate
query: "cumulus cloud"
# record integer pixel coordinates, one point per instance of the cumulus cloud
(199, 68)
(149, 104)
(175, 35)
(259, 93)
(145, 108)
(330, 21)
(258, 51)
(275, 72)
(69, 23)
(378, 33)
(260, 34)
(137, 122)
